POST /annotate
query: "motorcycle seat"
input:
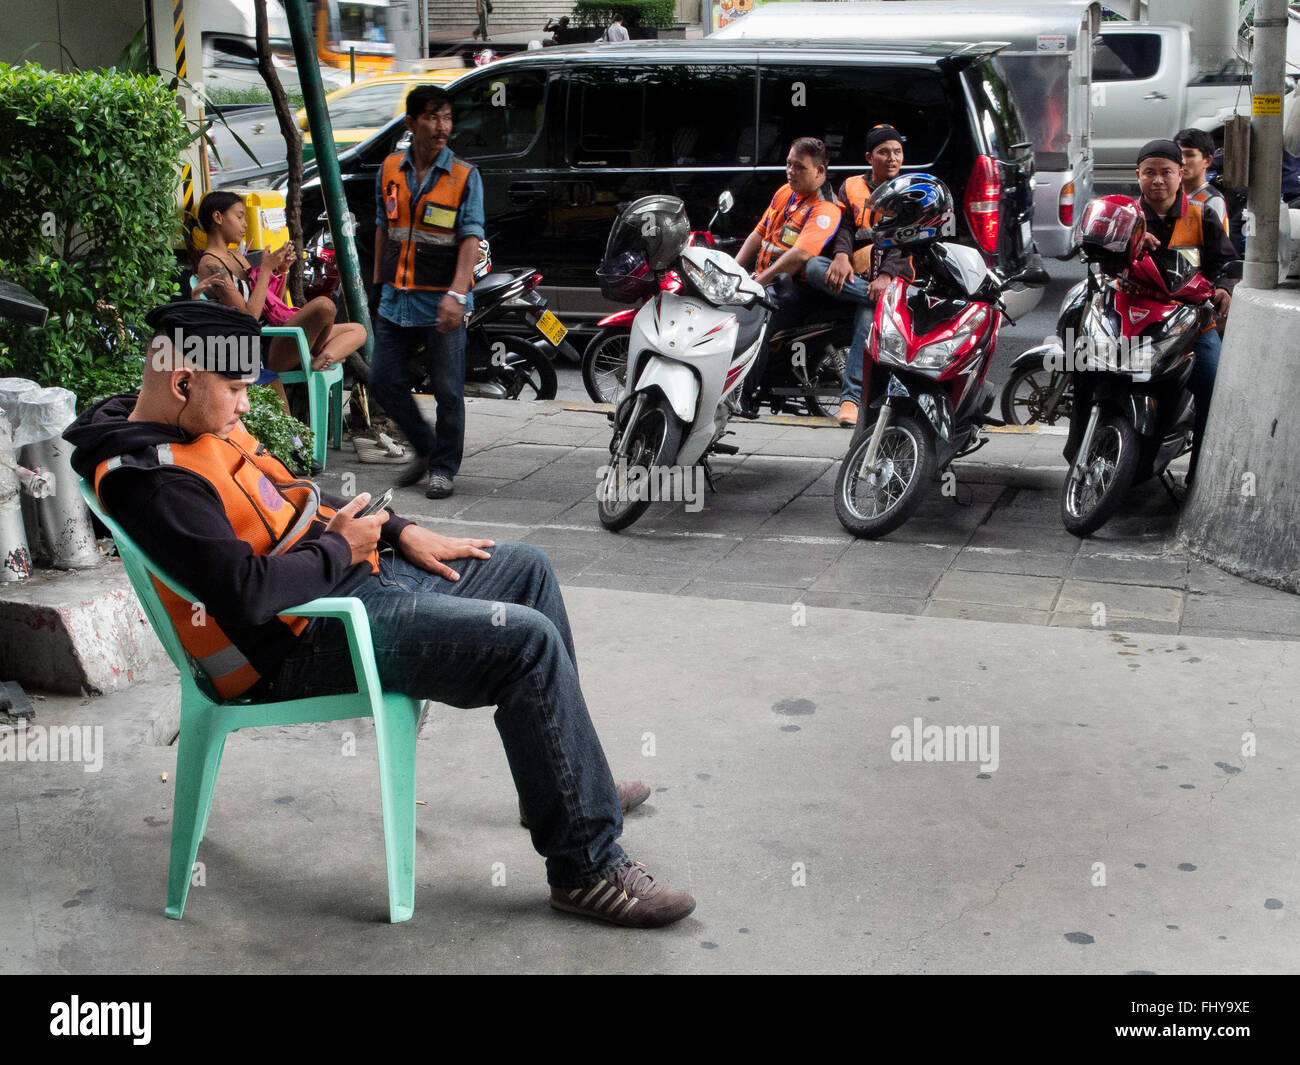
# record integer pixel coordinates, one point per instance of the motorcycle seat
(749, 321)
(488, 287)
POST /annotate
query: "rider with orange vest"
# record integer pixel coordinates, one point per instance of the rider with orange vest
(854, 270)
(797, 225)
(427, 231)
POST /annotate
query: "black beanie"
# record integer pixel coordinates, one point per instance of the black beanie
(211, 337)
(880, 134)
(1161, 149)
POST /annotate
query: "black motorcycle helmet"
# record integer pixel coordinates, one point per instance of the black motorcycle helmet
(626, 278)
(654, 226)
(910, 209)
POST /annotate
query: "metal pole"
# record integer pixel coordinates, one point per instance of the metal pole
(1269, 60)
(342, 226)
(352, 63)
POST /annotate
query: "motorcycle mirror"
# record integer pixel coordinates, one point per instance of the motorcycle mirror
(1034, 277)
(726, 202)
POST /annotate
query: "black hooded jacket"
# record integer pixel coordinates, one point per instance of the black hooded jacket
(177, 519)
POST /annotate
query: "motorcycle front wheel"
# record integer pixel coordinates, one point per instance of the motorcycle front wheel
(604, 364)
(652, 445)
(876, 501)
(524, 372)
(1026, 395)
(1098, 480)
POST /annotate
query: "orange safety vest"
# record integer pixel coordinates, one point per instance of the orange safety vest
(782, 222)
(1204, 195)
(269, 509)
(858, 192)
(1187, 236)
(422, 247)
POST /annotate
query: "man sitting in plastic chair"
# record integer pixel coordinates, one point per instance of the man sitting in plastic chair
(201, 497)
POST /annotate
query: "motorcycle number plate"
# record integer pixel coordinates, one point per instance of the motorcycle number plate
(551, 328)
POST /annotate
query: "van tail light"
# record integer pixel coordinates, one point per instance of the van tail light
(983, 199)
(1065, 207)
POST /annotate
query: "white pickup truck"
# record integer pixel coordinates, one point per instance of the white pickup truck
(1143, 87)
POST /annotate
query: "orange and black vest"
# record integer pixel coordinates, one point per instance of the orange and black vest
(867, 259)
(422, 247)
(269, 509)
(1187, 236)
(783, 221)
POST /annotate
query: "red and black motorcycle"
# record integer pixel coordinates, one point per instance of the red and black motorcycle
(1132, 359)
(927, 354)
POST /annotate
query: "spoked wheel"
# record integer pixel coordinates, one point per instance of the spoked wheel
(653, 442)
(1098, 480)
(873, 501)
(604, 364)
(827, 381)
(1025, 397)
(524, 372)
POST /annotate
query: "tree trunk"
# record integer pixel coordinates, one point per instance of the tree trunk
(293, 142)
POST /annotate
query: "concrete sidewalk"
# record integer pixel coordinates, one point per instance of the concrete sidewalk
(762, 671)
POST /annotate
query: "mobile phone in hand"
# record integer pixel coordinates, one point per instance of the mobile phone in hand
(376, 504)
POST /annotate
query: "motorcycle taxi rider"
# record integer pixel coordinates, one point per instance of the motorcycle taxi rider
(798, 224)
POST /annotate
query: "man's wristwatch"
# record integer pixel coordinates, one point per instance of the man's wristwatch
(462, 300)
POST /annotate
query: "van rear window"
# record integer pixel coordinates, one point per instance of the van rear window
(1126, 57)
(840, 104)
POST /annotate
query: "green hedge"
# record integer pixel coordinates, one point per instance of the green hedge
(634, 12)
(88, 179)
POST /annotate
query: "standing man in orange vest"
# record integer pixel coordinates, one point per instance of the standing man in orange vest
(427, 232)
(213, 510)
(855, 270)
(799, 222)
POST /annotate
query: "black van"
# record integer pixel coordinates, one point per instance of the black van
(565, 137)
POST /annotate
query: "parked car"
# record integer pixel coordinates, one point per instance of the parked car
(359, 110)
(1047, 58)
(588, 129)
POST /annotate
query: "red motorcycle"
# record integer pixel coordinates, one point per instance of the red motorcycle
(926, 358)
(1132, 358)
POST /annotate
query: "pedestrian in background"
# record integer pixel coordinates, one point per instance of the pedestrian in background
(614, 32)
(484, 10)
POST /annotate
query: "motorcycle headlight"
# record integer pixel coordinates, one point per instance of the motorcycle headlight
(716, 285)
(891, 344)
(937, 355)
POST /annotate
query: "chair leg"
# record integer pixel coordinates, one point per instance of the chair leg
(198, 755)
(336, 414)
(320, 415)
(395, 729)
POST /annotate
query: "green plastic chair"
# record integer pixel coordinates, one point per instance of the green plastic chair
(324, 392)
(206, 720)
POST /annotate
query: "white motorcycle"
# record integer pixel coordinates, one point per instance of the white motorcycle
(688, 355)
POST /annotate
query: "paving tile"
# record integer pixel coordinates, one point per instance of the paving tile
(998, 532)
(563, 492)
(1243, 615)
(1204, 577)
(1121, 601)
(806, 517)
(1065, 619)
(753, 593)
(1013, 560)
(947, 608)
(1232, 634)
(1157, 572)
(880, 604)
(888, 581)
(522, 511)
(656, 585)
(998, 589)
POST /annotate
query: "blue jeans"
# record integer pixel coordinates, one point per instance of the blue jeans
(854, 291)
(1201, 385)
(498, 636)
(444, 355)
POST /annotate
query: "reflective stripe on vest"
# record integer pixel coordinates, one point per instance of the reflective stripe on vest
(422, 248)
(268, 508)
(1188, 238)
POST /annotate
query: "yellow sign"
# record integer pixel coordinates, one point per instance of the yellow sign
(1266, 105)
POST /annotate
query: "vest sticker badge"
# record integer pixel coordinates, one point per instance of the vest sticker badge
(438, 216)
(267, 493)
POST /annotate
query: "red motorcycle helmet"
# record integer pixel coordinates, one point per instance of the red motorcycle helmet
(1112, 229)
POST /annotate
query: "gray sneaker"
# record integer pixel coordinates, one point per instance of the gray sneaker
(440, 487)
(626, 895)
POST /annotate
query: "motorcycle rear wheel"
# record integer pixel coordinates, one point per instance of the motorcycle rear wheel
(1026, 393)
(525, 373)
(653, 442)
(1097, 481)
(604, 364)
(904, 465)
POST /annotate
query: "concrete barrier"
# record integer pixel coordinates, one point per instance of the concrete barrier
(76, 631)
